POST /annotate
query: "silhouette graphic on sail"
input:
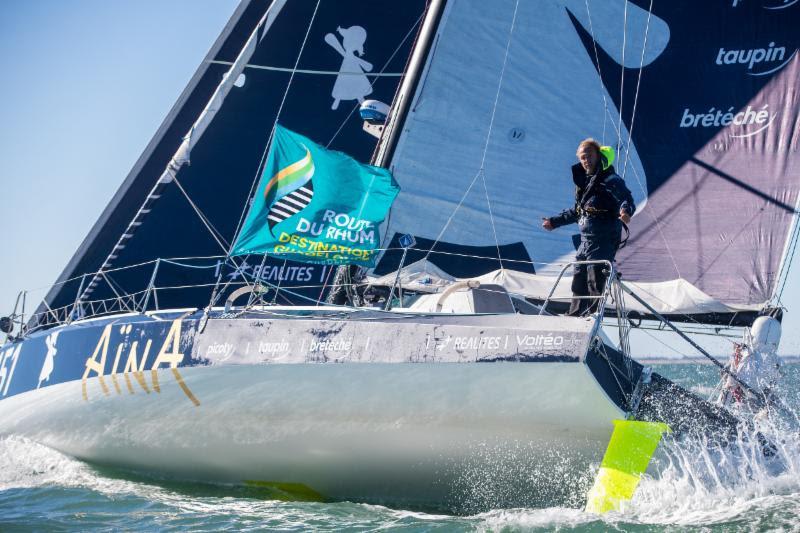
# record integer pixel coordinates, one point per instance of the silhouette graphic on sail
(351, 83)
(290, 190)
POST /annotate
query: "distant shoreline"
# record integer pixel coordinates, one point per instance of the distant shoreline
(788, 360)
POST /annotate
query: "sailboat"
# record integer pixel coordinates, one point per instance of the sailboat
(160, 350)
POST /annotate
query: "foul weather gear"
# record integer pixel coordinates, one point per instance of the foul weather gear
(599, 199)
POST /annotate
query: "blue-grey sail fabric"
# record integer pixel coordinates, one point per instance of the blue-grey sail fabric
(710, 152)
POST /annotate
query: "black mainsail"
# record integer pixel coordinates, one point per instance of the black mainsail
(195, 215)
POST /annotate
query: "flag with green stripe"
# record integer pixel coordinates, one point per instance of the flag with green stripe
(316, 205)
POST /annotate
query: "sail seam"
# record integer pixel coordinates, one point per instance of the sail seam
(386, 64)
(380, 74)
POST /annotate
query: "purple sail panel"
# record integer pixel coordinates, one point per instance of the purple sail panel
(722, 165)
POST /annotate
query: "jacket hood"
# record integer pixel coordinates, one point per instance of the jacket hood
(579, 175)
(607, 156)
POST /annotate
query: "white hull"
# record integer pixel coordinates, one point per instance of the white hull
(446, 433)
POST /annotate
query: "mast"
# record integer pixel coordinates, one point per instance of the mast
(394, 125)
(408, 88)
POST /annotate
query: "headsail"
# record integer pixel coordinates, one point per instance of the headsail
(711, 159)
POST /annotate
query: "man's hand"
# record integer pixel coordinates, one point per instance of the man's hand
(625, 217)
(546, 224)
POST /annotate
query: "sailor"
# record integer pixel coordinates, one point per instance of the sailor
(603, 206)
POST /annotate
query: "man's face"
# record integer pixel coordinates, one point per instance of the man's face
(588, 157)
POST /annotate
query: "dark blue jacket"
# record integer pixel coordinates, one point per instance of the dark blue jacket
(599, 198)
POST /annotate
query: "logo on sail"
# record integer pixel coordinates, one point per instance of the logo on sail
(290, 190)
(779, 4)
(773, 58)
(769, 4)
(747, 122)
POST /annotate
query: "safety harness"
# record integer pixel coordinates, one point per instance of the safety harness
(596, 186)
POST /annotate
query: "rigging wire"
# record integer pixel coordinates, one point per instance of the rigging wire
(622, 74)
(783, 275)
(274, 127)
(491, 219)
(630, 133)
(319, 72)
(215, 294)
(280, 281)
(325, 285)
(481, 169)
(606, 112)
(718, 331)
(655, 338)
(380, 72)
(203, 218)
(618, 126)
(636, 93)
(111, 284)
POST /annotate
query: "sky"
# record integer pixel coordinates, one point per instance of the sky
(86, 83)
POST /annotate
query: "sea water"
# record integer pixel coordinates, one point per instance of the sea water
(696, 487)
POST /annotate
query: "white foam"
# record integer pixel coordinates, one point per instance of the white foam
(549, 518)
(699, 484)
(693, 484)
(27, 464)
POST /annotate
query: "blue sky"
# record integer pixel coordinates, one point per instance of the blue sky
(86, 83)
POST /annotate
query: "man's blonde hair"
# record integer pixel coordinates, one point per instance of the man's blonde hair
(589, 142)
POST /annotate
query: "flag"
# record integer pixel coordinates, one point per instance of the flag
(315, 205)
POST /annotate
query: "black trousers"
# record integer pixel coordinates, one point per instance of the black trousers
(590, 280)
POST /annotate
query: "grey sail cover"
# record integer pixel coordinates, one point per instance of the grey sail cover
(707, 140)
